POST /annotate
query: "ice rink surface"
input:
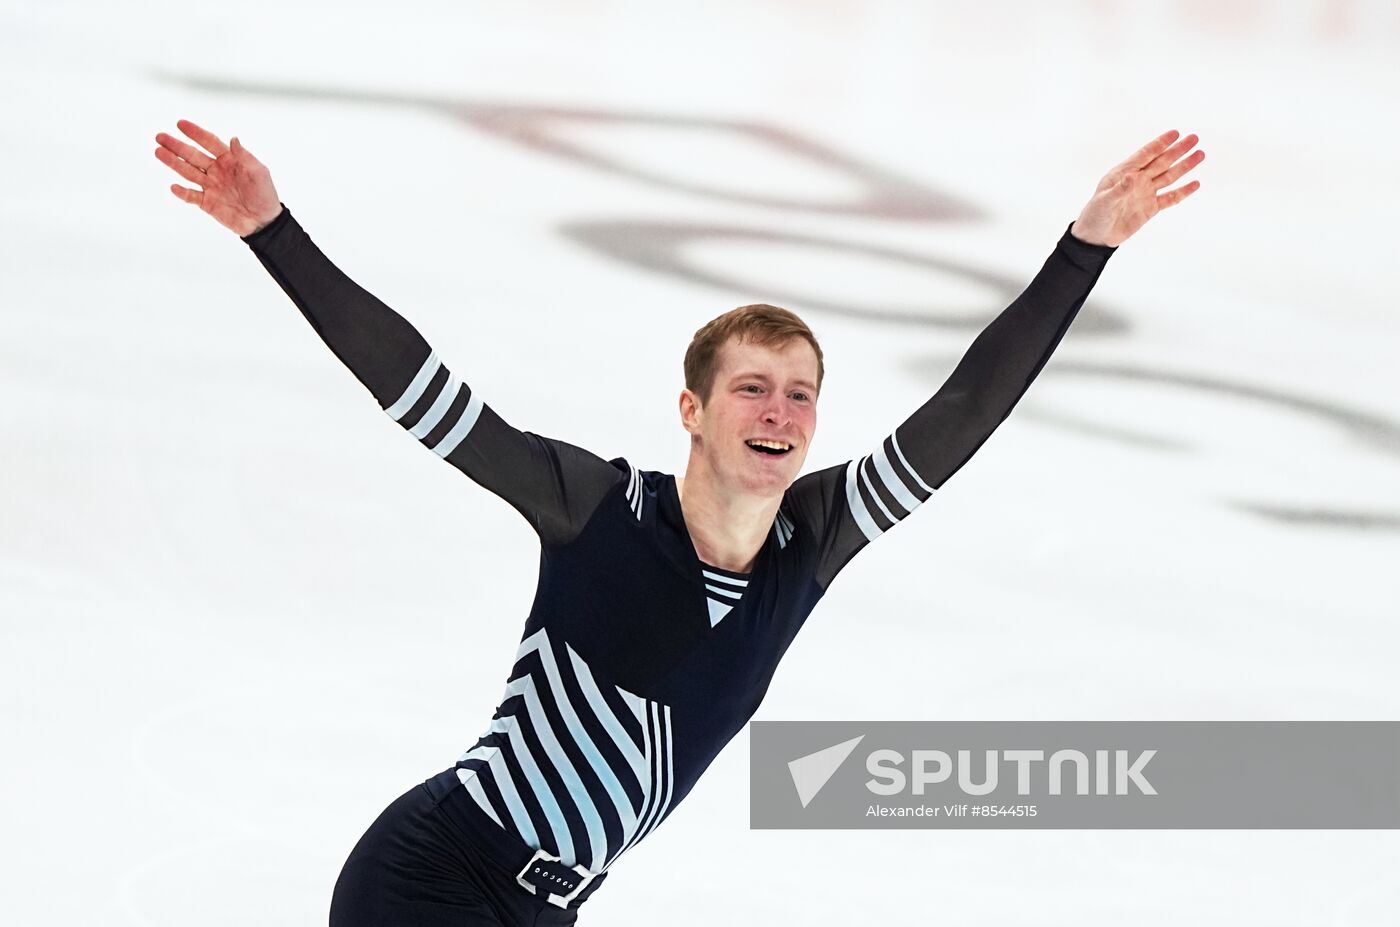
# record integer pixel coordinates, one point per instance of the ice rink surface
(242, 611)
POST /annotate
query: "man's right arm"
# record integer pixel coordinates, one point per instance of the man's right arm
(555, 485)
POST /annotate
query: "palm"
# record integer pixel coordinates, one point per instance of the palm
(235, 187)
(1130, 210)
(232, 191)
(1127, 196)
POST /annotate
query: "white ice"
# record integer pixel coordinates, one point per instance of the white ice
(242, 611)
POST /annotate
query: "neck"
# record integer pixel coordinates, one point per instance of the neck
(727, 528)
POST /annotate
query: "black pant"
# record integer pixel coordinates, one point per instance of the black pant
(415, 868)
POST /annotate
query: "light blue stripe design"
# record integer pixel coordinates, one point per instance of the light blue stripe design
(670, 769)
(605, 773)
(438, 409)
(631, 836)
(654, 759)
(643, 756)
(555, 751)
(468, 778)
(415, 389)
(724, 579)
(865, 478)
(500, 774)
(892, 482)
(605, 716)
(657, 756)
(661, 805)
(637, 704)
(543, 794)
(463, 427)
(857, 505)
(649, 783)
(782, 527)
(535, 712)
(912, 472)
(724, 592)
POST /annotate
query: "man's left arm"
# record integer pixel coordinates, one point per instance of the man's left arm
(866, 497)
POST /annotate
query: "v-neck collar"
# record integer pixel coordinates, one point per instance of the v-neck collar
(724, 590)
(676, 515)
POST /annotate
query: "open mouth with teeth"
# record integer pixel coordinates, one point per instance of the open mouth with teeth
(770, 448)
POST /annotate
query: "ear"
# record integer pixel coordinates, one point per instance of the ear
(691, 411)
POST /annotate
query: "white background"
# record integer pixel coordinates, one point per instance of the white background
(240, 610)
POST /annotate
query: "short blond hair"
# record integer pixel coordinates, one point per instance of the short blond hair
(757, 323)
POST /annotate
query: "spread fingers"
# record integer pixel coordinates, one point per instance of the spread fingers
(190, 153)
(1167, 158)
(181, 167)
(202, 136)
(1171, 175)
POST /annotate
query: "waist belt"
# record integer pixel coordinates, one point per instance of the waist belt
(536, 871)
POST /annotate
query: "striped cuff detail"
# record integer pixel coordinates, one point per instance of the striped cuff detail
(437, 408)
(883, 488)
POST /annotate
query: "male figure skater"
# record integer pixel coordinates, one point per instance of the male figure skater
(664, 604)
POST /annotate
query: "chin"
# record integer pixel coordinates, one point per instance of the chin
(773, 482)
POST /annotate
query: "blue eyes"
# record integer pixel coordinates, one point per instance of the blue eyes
(799, 395)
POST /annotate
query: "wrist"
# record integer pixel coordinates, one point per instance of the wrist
(1087, 237)
(262, 222)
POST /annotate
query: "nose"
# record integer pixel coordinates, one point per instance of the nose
(777, 412)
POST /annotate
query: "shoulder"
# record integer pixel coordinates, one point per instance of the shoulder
(642, 488)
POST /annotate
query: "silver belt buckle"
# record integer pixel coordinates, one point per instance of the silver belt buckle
(562, 901)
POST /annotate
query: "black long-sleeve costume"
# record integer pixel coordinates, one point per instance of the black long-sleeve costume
(638, 662)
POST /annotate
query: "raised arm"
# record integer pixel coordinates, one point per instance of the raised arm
(850, 505)
(555, 485)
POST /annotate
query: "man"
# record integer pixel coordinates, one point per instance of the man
(664, 604)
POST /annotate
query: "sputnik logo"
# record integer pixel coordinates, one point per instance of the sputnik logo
(811, 772)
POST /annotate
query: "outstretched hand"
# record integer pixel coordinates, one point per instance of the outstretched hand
(236, 188)
(1127, 196)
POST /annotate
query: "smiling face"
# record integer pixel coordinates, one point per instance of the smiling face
(762, 394)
